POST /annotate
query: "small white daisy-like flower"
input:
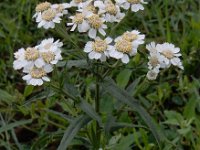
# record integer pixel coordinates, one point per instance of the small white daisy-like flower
(48, 18)
(133, 36)
(26, 58)
(50, 52)
(79, 21)
(41, 7)
(171, 54)
(36, 76)
(96, 24)
(152, 47)
(61, 8)
(123, 49)
(99, 49)
(110, 11)
(155, 61)
(76, 3)
(135, 5)
(152, 74)
(155, 58)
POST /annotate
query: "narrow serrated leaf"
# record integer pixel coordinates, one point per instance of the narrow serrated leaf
(72, 131)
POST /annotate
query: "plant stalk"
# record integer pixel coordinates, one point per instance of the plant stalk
(97, 107)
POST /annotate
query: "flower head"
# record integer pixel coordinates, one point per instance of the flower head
(99, 48)
(135, 5)
(110, 11)
(126, 45)
(96, 23)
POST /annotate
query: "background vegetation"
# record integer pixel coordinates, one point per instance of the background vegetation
(38, 117)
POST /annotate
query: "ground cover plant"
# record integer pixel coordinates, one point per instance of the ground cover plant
(99, 75)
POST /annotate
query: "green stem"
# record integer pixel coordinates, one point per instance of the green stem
(97, 107)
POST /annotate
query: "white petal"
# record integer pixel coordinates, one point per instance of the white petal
(92, 33)
(102, 32)
(125, 59)
(39, 63)
(108, 40)
(48, 68)
(46, 79)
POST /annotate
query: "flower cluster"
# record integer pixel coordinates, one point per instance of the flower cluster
(123, 47)
(162, 56)
(91, 17)
(36, 62)
(48, 14)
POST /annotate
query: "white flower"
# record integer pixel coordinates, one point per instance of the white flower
(110, 11)
(61, 8)
(135, 5)
(50, 52)
(79, 21)
(26, 58)
(99, 49)
(96, 24)
(126, 45)
(122, 50)
(76, 3)
(155, 58)
(41, 7)
(152, 47)
(133, 36)
(37, 76)
(155, 61)
(171, 54)
(87, 6)
(152, 74)
(48, 18)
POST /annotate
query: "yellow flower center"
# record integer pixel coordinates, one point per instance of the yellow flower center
(48, 14)
(99, 45)
(78, 1)
(60, 8)
(95, 21)
(31, 54)
(48, 45)
(129, 36)
(91, 8)
(37, 73)
(154, 61)
(42, 6)
(48, 56)
(123, 46)
(111, 8)
(134, 1)
(168, 53)
(78, 18)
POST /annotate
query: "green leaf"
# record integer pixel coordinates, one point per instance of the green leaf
(124, 97)
(173, 117)
(77, 63)
(72, 131)
(189, 110)
(125, 143)
(89, 110)
(123, 77)
(28, 90)
(5, 96)
(15, 124)
(131, 88)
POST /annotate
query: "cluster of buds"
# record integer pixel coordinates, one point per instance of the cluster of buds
(36, 62)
